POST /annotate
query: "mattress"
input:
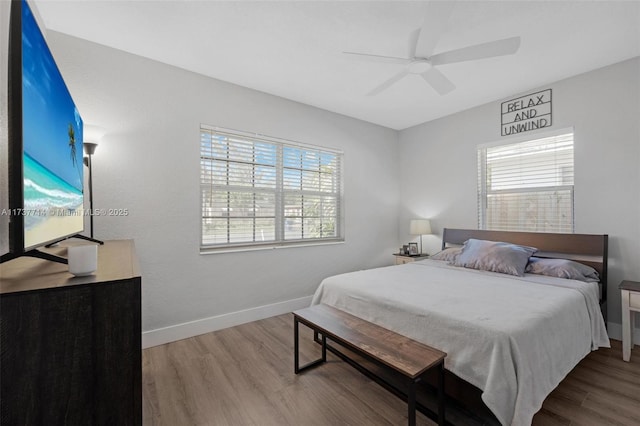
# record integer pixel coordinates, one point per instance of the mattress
(515, 338)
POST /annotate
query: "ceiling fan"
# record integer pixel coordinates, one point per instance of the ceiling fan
(423, 62)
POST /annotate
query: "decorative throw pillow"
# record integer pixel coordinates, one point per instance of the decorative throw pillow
(494, 256)
(562, 268)
(448, 254)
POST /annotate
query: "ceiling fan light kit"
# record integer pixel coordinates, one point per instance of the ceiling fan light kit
(418, 66)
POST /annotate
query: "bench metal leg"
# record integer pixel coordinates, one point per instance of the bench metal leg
(441, 394)
(411, 398)
(411, 403)
(297, 368)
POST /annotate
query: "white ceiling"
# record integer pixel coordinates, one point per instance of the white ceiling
(293, 49)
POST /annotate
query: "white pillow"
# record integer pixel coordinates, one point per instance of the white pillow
(494, 256)
(448, 254)
(562, 268)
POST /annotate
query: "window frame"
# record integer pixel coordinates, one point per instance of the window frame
(279, 191)
(483, 192)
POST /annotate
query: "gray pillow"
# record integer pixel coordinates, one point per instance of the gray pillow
(494, 256)
(562, 268)
(448, 254)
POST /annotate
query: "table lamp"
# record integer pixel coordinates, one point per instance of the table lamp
(420, 227)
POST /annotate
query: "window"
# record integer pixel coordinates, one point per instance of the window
(527, 186)
(261, 191)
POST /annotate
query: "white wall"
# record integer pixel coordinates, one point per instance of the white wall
(603, 106)
(148, 162)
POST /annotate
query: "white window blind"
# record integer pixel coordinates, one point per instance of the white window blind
(527, 186)
(257, 190)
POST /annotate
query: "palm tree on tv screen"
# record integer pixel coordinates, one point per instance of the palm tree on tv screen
(72, 146)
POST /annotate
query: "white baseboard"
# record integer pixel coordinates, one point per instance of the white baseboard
(615, 332)
(185, 330)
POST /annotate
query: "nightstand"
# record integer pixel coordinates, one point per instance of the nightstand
(630, 305)
(401, 259)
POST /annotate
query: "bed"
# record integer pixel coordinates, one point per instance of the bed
(513, 338)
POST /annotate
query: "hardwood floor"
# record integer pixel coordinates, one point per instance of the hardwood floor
(244, 376)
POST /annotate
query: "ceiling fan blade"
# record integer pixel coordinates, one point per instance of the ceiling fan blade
(388, 83)
(377, 58)
(507, 46)
(438, 81)
(435, 22)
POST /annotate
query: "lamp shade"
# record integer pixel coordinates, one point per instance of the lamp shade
(89, 148)
(420, 227)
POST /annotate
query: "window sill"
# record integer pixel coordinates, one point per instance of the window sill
(240, 249)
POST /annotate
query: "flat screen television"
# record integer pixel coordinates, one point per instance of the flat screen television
(44, 142)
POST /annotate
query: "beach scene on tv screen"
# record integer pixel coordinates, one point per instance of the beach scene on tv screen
(52, 144)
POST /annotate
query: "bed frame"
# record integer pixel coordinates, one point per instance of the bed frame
(589, 249)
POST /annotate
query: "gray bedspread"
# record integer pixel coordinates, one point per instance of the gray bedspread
(514, 338)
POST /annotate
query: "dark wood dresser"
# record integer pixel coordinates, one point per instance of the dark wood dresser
(71, 346)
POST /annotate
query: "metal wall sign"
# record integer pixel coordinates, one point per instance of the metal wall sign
(528, 112)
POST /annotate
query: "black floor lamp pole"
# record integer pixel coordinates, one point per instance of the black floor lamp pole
(91, 196)
(90, 148)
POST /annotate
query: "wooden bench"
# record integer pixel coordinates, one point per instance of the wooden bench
(406, 356)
